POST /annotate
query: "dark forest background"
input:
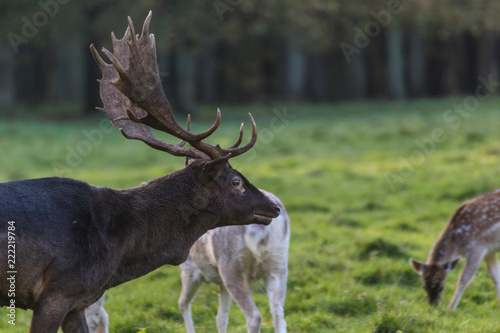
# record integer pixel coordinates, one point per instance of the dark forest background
(254, 51)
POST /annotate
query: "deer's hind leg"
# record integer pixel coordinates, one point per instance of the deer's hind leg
(276, 293)
(494, 270)
(239, 289)
(223, 311)
(191, 282)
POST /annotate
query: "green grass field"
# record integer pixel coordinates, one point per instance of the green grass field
(367, 186)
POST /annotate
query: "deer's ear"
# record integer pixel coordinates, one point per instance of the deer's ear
(416, 265)
(213, 169)
(451, 265)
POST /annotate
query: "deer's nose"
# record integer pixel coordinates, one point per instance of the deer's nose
(277, 208)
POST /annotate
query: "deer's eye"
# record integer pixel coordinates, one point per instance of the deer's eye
(236, 182)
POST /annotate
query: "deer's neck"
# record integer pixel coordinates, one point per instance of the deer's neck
(160, 227)
(444, 250)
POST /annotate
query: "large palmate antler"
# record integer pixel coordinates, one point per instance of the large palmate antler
(134, 101)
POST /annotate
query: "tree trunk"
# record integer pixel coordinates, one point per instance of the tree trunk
(67, 81)
(207, 75)
(487, 57)
(165, 65)
(451, 79)
(395, 64)
(417, 65)
(319, 75)
(7, 77)
(185, 74)
(90, 86)
(293, 70)
(29, 65)
(355, 84)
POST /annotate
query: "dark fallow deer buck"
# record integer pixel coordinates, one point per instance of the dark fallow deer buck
(73, 241)
(474, 233)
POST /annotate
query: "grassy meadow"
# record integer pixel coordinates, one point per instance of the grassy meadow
(367, 186)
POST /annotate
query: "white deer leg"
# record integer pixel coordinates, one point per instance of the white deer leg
(276, 292)
(240, 292)
(471, 266)
(494, 271)
(103, 323)
(223, 312)
(191, 282)
(97, 318)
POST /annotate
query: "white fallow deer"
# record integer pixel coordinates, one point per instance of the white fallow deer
(472, 232)
(97, 318)
(234, 257)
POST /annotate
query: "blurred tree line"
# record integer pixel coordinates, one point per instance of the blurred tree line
(239, 51)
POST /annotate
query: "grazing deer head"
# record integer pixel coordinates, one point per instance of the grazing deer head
(433, 277)
(79, 240)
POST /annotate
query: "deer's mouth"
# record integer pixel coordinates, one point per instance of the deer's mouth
(262, 219)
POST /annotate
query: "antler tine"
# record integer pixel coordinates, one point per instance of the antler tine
(101, 63)
(188, 127)
(178, 149)
(132, 29)
(234, 150)
(216, 151)
(115, 62)
(145, 27)
(238, 151)
(240, 137)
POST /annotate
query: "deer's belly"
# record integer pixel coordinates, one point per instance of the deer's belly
(490, 239)
(209, 273)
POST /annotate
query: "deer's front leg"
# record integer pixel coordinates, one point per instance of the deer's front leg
(276, 293)
(494, 270)
(238, 287)
(49, 314)
(471, 266)
(75, 322)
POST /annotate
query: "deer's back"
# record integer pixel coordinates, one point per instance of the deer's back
(476, 223)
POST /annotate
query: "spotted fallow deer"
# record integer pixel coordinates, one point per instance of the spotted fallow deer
(234, 257)
(474, 233)
(73, 241)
